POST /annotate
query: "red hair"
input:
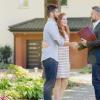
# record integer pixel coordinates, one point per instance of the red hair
(60, 27)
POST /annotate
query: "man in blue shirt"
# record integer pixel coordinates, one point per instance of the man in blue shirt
(49, 58)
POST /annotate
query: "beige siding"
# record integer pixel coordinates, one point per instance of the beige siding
(79, 8)
(11, 13)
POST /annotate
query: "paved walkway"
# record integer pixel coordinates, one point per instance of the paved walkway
(84, 91)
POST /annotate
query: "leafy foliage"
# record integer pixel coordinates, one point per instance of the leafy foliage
(18, 71)
(30, 90)
(63, 2)
(5, 54)
(71, 84)
(5, 84)
(86, 70)
(23, 86)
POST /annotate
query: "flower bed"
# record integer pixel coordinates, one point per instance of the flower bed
(18, 83)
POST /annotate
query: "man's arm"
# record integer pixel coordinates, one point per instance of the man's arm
(54, 33)
(93, 43)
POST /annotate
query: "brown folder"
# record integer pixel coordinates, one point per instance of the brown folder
(87, 33)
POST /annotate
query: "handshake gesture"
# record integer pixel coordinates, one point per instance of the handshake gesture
(74, 45)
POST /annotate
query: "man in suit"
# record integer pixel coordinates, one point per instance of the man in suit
(94, 50)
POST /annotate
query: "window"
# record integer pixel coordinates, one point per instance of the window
(24, 3)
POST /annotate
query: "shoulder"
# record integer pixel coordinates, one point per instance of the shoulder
(98, 24)
(51, 23)
(98, 27)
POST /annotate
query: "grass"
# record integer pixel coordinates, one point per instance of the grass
(86, 70)
(72, 84)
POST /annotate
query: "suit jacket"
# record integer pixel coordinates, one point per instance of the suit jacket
(94, 47)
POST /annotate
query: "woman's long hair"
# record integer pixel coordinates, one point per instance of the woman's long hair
(60, 27)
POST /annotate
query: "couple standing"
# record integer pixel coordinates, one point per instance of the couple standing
(56, 35)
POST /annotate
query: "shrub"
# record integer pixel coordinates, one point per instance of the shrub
(18, 71)
(71, 84)
(24, 84)
(5, 84)
(12, 94)
(5, 54)
(64, 2)
(30, 90)
(86, 70)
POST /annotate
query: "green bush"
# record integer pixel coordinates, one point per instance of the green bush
(23, 86)
(71, 84)
(64, 2)
(18, 71)
(86, 70)
(30, 90)
(5, 54)
(3, 66)
(5, 84)
(12, 94)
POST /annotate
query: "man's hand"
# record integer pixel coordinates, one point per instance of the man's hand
(74, 45)
(84, 42)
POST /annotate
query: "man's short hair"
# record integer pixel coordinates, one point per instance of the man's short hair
(96, 8)
(51, 8)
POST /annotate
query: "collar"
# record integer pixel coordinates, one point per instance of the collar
(52, 20)
(95, 24)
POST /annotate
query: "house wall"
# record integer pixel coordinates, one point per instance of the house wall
(20, 55)
(11, 13)
(77, 58)
(79, 8)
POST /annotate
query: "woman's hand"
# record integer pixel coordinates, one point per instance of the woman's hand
(74, 45)
(44, 45)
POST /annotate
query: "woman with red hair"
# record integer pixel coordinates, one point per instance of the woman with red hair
(63, 71)
(64, 64)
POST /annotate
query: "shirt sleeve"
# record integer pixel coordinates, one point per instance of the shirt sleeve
(54, 33)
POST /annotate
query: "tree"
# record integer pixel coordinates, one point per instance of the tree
(5, 54)
(63, 2)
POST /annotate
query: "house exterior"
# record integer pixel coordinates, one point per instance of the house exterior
(15, 11)
(28, 38)
(79, 8)
(23, 12)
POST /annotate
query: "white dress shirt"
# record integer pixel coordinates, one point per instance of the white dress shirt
(95, 24)
(53, 38)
